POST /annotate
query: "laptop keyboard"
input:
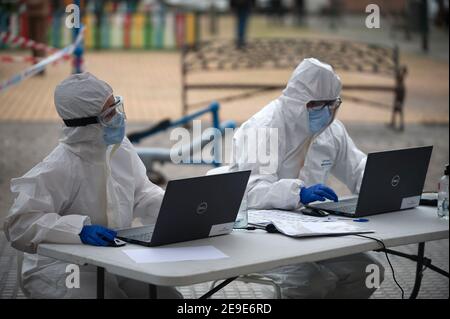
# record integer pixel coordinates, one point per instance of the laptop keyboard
(141, 237)
(144, 234)
(345, 206)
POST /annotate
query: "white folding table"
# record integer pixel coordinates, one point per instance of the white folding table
(258, 251)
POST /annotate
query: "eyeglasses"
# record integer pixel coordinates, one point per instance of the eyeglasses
(320, 105)
(105, 118)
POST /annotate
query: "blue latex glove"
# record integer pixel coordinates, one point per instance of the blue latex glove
(317, 192)
(97, 235)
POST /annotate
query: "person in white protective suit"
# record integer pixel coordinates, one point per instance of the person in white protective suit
(311, 145)
(90, 184)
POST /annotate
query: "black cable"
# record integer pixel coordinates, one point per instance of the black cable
(387, 257)
(248, 228)
(268, 229)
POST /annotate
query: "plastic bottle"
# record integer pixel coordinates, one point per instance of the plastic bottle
(442, 209)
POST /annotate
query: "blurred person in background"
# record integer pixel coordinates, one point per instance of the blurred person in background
(38, 11)
(441, 19)
(242, 9)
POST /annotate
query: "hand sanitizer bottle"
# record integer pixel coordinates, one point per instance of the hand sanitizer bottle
(442, 208)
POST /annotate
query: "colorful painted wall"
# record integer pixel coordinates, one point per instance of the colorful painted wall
(158, 27)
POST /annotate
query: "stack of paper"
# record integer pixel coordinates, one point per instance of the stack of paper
(297, 225)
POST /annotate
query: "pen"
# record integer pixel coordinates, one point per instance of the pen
(360, 220)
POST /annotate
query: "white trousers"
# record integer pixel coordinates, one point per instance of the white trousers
(50, 282)
(343, 277)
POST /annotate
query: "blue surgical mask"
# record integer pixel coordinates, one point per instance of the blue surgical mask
(115, 133)
(319, 119)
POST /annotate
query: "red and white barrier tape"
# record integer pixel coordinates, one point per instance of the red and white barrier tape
(16, 41)
(23, 59)
(36, 68)
(13, 59)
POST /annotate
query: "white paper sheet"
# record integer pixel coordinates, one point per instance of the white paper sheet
(159, 254)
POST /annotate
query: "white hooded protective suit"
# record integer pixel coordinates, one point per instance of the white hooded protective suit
(304, 159)
(334, 152)
(77, 184)
(298, 164)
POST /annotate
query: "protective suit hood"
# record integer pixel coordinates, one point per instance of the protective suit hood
(312, 80)
(82, 95)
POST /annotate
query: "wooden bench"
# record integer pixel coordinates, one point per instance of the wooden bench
(286, 53)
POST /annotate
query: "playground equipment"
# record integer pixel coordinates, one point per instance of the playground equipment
(152, 155)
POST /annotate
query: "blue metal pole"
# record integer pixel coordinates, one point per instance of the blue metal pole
(217, 138)
(188, 118)
(79, 50)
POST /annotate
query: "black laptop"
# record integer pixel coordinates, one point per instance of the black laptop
(193, 208)
(392, 181)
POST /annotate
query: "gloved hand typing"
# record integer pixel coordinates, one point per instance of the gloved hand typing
(317, 192)
(97, 235)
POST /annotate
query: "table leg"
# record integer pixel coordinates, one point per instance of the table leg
(152, 291)
(217, 288)
(100, 283)
(422, 262)
(419, 269)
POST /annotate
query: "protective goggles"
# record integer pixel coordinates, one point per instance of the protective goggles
(105, 118)
(320, 105)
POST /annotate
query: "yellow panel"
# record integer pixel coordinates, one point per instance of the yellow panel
(190, 28)
(137, 30)
(88, 21)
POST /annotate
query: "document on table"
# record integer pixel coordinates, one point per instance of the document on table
(159, 254)
(264, 216)
(295, 224)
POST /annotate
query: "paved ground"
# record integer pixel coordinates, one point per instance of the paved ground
(150, 84)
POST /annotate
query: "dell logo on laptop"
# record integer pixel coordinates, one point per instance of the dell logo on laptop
(202, 208)
(395, 180)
